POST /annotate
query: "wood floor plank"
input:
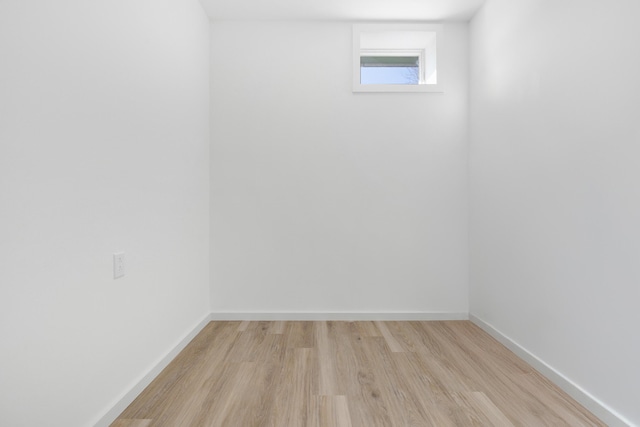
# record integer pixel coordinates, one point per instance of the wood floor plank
(350, 374)
(459, 410)
(231, 401)
(395, 390)
(330, 411)
(341, 408)
(204, 397)
(277, 327)
(257, 402)
(406, 337)
(243, 326)
(367, 329)
(557, 402)
(327, 380)
(346, 364)
(485, 373)
(361, 384)
(472, 335)
(247, 342)
(300, 334)
(393, 344)
(215, 375)
(423, 387)
(173, 385)
(295, 391)
(482, 403)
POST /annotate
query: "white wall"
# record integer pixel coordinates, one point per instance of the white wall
(555, 203)
(103, 148)
(323, 200)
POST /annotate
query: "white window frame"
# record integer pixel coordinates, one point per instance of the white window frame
(419, 51)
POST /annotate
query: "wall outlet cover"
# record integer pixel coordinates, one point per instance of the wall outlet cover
(118, 265)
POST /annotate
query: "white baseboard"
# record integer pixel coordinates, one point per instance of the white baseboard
(595, 406)
(123, 402)
(339, 316)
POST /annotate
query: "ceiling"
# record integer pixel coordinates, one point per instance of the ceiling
(342, 10)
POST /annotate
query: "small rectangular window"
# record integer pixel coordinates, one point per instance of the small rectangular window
(396, 58)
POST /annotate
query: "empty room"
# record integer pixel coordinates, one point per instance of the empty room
(334, 213)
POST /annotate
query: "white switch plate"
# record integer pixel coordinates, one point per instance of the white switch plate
(118, 265)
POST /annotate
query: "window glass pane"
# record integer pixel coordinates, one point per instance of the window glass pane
(389, 75)
(390, 70)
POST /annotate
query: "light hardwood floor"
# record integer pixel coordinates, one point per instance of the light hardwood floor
(350, 374)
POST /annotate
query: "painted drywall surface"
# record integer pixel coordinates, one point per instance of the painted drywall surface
(555, 203)
(323, 200)
(103, 148)
(343, 10)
